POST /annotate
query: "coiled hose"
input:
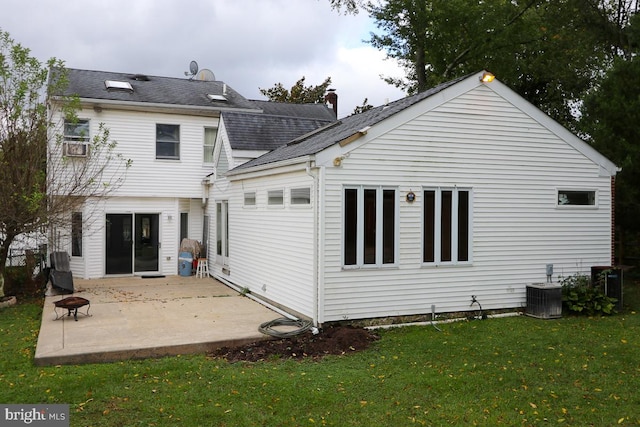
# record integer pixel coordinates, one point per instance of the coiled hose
(302, 326)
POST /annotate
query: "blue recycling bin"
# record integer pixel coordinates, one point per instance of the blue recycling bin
(185, 264)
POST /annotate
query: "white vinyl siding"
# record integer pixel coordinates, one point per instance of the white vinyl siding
(272, 250)
(135, 135)
(513, 164)
(150, 185)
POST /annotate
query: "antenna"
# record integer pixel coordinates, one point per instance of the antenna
(205, 75)
(193, 69)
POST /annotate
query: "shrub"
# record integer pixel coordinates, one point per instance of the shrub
(581, 296)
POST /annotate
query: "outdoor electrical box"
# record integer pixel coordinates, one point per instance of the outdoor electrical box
(610, 278)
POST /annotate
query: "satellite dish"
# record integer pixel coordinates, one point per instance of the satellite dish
(206, 75)
(193, 68)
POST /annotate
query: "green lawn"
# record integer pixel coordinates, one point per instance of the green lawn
(510, 371)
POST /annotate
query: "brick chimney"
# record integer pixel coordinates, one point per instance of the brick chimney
(332, 98)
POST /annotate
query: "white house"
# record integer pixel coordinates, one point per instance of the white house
(464, 190)
(168, 128)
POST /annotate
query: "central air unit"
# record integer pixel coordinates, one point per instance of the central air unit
(544, 301)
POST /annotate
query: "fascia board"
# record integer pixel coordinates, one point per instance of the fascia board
(195, 110)
(274, 168)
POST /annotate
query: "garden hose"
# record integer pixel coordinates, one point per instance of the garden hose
(302, 326)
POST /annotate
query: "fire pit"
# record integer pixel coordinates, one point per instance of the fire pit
(72, 304)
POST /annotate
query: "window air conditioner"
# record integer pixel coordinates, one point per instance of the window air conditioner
(75, 149)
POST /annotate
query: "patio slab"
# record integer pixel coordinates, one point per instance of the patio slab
(134, 318)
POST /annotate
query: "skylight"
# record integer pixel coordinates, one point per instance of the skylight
(216, 97)
(116, 84)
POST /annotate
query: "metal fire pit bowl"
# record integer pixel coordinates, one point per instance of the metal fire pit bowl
(71, 304)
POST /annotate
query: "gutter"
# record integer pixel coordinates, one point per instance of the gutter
(255, 171)
(147, 106)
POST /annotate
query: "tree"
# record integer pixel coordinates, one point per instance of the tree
(39, 185)
(610, 121)
(362, 108)
(299, 93)
(546, 50)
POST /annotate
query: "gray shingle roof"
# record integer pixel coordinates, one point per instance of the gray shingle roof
(311, 111)
(154, 90)
(318, 140)
(249, 131)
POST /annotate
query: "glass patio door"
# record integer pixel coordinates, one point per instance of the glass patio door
(132, 243)
(147, 243)
(119, 250)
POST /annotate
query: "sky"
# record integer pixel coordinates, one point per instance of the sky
(248, 44)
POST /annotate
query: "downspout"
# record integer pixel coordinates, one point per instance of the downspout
(613, 226)
(316, 243)
(206, 184)
(321, 243)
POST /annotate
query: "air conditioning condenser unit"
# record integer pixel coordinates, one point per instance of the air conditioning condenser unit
(544, 301)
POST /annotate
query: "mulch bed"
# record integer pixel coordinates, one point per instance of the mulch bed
(334, 340)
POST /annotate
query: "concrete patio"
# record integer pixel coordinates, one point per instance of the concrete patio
(134, 318)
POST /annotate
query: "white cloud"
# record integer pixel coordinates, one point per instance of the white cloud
(249, 44)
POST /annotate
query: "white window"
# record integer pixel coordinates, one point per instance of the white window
(275, 198)
(250, 198)
(76, 138)
(301, 196)
(167, 141)
(209, 144)
(370, 221)
(576, 198)
(76, 234)
(446, 225)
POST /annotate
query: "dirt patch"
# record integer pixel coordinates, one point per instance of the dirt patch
(336, 340)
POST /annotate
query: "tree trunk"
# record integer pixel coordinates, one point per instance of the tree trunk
(4, 252)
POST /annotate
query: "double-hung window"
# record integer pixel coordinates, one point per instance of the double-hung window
(446, 225)
(76, 138)
(167, 141)
(209, 144)
(370, 218)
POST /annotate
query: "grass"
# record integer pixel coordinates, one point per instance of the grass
(574, 371)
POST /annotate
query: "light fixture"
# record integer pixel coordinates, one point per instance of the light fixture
(487, 77)
(411, 196)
